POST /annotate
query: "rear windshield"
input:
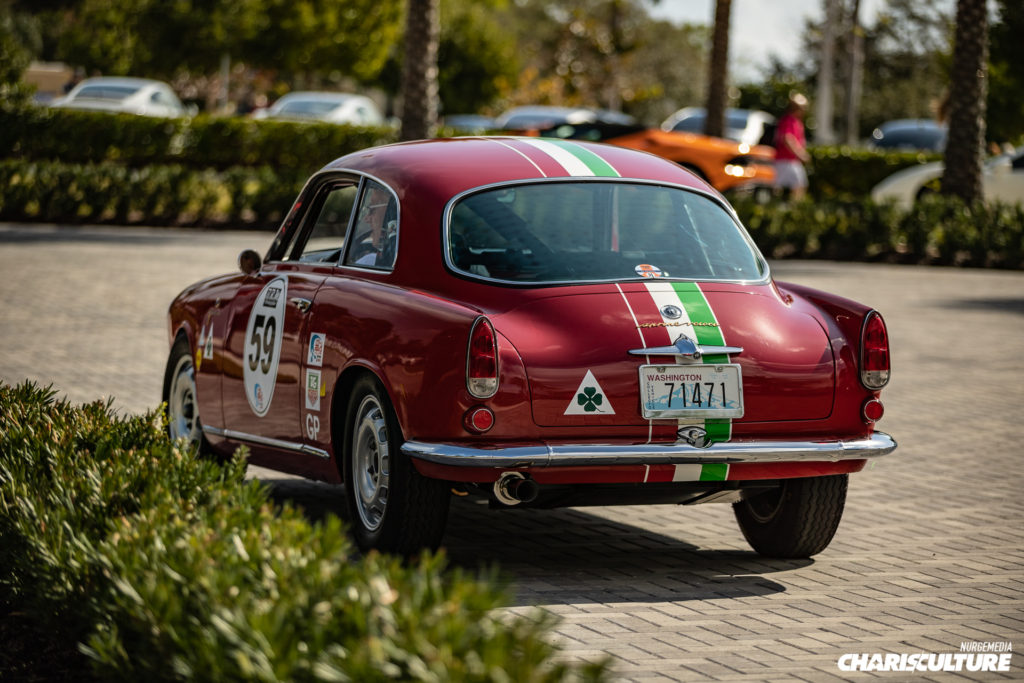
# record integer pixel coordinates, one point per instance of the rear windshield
(558, 232)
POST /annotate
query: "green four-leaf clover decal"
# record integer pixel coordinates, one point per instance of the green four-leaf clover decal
(590, 399)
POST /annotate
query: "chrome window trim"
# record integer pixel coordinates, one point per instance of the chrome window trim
(361, 178)
(264, 441)
(450, 207)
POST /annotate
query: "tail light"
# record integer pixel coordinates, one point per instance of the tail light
(482, 360)
(874, 352)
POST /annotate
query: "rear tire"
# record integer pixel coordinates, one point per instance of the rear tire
(392, 507)
(796, 520)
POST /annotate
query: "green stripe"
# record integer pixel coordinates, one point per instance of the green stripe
(714, 471)
(597, 165)
(718, 429)
(699, 310)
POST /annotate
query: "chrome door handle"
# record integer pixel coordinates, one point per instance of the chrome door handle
(301, 304)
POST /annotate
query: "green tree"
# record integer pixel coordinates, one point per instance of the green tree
(1005, 117)
(477, 58)
(962, 175)
(14, 57)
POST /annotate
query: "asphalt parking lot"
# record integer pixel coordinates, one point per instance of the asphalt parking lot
(930, 553)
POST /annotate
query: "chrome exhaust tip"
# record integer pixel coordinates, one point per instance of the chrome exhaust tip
(513, 488)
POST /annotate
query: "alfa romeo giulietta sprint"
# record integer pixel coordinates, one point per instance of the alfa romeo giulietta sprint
(541, 322)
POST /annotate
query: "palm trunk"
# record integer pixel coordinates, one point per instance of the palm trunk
(962, 176)
(419, 72)
(718, 71)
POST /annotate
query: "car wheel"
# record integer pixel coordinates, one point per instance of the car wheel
(797, 519)
(180, 395)
(392, 507)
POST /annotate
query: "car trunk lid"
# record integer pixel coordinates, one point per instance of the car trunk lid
(575, 345)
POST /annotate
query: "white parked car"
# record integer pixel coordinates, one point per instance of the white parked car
(332, 107)
(748, 126)
(1002, 180)
(123, 95)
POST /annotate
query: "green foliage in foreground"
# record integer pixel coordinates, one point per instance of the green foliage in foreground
(166, 567)
(937, 230)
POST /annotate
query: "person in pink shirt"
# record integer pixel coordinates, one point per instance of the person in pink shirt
(791, 149)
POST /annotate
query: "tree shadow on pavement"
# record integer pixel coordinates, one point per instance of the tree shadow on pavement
(569, 556)
(1000, 305)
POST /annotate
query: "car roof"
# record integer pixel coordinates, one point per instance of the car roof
(121, 80)
(444, 168)
(338, 97)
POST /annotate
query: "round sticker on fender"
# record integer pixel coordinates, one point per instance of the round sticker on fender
(263, 345)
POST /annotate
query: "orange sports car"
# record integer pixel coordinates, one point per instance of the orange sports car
(728, 166)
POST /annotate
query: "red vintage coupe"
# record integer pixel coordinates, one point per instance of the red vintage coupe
(542, 322)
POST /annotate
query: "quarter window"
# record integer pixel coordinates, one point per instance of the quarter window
(375, 234)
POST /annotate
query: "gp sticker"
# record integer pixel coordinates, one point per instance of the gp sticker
(263, 345)
(312, 426)
(315, 356)
(313, 389)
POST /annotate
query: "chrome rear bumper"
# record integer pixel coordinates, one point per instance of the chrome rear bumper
(568, 455)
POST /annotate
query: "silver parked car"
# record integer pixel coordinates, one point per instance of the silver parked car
(123, 95)
(332, 107)
(749, 126)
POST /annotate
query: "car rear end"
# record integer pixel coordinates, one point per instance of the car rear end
(632, 348)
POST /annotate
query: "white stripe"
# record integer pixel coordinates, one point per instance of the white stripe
(565, 158)
(543, 175)
(687, 472)
(665, 295)
(643, 345)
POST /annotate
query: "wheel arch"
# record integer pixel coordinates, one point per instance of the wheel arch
(341, 398)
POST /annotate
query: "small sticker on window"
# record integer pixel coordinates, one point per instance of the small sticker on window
(647, 270)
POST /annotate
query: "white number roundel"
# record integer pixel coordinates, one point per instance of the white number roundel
(263, 345)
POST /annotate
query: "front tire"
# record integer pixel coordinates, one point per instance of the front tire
(393, 508)
(796, 520)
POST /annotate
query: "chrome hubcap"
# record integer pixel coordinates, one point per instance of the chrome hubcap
(182, 412)
(370, 462)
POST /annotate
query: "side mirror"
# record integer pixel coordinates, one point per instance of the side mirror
(249, 262)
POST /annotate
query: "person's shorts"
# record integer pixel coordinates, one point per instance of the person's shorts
(790, 175)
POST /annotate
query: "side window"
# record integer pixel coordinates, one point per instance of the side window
(326, 239)
(375, 235)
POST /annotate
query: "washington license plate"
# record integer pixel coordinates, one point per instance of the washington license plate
(669, 391)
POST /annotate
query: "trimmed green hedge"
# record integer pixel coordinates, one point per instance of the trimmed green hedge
(938, 230)
(41, 134)
(165, 567)
(36, 133)
(154, 195)
(849, 173)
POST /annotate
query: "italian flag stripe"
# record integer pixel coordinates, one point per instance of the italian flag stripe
(697, 311)
(574, 159)
(597, 165)
(717, 471)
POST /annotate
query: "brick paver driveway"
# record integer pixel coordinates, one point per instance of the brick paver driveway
(930, 553)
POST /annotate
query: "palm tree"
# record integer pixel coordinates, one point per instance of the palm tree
(718, 71)
(419, 71)
(966, 102)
